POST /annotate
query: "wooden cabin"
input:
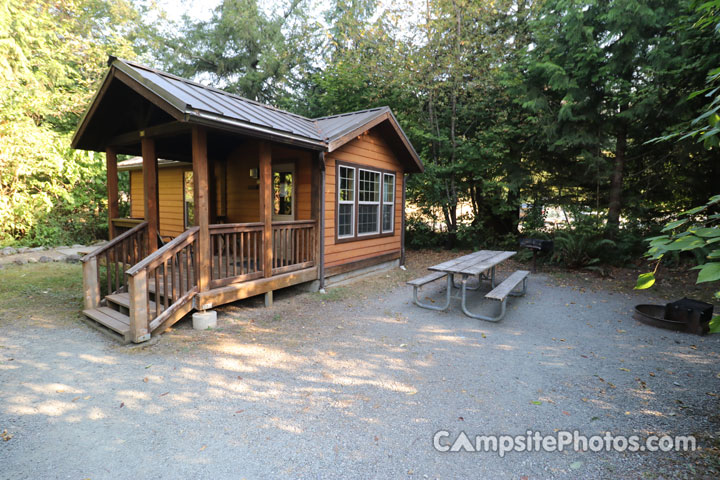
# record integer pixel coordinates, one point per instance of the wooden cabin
(230, 198)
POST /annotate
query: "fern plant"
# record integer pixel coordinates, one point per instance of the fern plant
(581, 249)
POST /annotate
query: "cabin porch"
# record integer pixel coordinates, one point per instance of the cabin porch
(132, 295)
(148, 276)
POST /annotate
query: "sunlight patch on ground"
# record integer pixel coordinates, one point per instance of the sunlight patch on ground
(95, 359)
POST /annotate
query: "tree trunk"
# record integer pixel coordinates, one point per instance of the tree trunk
(616, 182)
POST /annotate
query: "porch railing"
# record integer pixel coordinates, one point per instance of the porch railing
(293, 245)
(118, 255)
(235, 253)
(162, 284)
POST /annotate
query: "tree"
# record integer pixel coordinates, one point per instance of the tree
(241, 49)
(604, 77)
(51, 56)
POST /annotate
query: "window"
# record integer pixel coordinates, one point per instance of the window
(346, 201)
(188, 198)
(365, 202)
(368, 202)
(282, 178)
(388, 205)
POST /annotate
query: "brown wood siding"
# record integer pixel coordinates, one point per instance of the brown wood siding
(372, 151)
(137, 195)
(170, 199)
(243, 194)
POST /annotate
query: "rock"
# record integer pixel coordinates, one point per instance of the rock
(32, 260)
(20, 261)
(37, 249)
(23, 250)
(45, 259)
(74, 258)
(9, 251)
(78, 246)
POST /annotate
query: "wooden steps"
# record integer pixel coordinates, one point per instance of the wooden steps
(123, 300)
(114, 319)
(111, 321)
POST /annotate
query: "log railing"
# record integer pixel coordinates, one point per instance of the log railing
(293, 245)
(163, 284)
(116, 256)
(235, 253)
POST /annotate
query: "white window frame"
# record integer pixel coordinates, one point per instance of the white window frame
(347, 202)
(391, 203)
(378, 225)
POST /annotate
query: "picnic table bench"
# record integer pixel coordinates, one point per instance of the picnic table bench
(480, 264)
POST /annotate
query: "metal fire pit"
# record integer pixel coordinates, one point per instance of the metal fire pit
(536, 245)
(691, 321)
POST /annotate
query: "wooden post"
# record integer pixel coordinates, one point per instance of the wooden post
(318, 206)
(201, 180)
(150, 185)
(137, 290)
(402, 224)
(90, 284)
(265, 154)
(112, 188)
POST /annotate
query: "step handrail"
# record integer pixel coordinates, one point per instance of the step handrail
(173, 291)
(112, 243)
(158, 254)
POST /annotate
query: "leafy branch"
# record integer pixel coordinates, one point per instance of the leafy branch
(696, 230)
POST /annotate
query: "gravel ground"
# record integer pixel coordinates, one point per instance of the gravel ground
(354, 384)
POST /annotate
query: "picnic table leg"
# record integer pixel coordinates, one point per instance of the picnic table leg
(434, 307)
(521, 293)
(476, 287)
(470, 314)
(492, 278)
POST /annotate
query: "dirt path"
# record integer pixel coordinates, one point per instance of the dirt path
(353, 384)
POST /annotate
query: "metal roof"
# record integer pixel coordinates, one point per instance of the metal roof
(197, 103)
(335, 126)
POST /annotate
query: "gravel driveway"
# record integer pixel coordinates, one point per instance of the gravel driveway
(355, 384)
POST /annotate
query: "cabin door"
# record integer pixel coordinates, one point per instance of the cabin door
(283, 177)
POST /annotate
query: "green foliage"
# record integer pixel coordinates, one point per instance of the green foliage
(50, 194)
(243, 48)
(696, 230)
(419, 235)
(602, 79)
(581, 248)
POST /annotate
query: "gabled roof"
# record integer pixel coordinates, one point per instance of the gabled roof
(195, 103)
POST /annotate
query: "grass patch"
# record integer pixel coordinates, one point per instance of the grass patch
(47, 289)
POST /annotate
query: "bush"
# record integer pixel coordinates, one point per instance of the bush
(581, 248)
(419, 235)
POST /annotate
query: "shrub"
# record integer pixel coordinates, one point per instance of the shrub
(419, 235)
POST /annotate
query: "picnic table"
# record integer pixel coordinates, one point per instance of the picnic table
(480, 264)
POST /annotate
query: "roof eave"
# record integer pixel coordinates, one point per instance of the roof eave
(200, 117)
(383, 115)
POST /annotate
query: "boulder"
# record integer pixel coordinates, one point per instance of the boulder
(45, 259)
(23, 249)
(32, 260)
(20, 261)
(8, 251)
(74, 258)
